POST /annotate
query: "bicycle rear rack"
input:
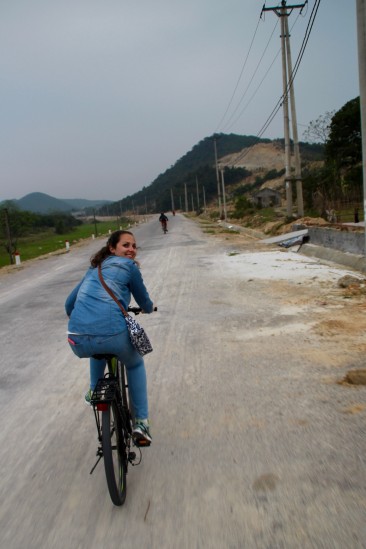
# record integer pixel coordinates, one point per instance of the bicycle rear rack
(105, 391)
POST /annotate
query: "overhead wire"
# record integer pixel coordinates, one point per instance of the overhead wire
(239, 78)
(261, 82)
(304, 43)
(250, 81)
(229, 123)
(284, 96)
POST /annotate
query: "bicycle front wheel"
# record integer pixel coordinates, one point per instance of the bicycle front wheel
(114, 453)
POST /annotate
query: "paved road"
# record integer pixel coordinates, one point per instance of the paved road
(250, 448)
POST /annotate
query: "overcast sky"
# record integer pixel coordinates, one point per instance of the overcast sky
(98, 97)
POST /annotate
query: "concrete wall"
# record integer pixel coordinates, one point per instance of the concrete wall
(346, 241)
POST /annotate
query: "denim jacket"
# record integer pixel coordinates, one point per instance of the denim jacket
(91, 309)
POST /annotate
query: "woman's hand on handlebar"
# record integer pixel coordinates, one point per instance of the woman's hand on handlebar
(138, 310)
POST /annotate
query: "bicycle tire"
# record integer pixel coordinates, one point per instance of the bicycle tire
(114, 453)
(126, 401)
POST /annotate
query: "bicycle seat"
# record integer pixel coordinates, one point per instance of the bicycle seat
(103, 357)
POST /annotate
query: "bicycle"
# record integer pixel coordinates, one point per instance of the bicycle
(164, 227)
(114, 420)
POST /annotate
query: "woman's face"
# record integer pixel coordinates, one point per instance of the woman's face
(126, 247)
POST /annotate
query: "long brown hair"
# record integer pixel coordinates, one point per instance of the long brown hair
(99, 257)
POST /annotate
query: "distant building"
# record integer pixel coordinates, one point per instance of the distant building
(266, 197)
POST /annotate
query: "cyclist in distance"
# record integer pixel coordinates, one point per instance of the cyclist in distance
(97, 326)
(164, 221)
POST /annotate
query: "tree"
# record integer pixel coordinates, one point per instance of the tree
(319, 129)
(344, 145)
(339, 181)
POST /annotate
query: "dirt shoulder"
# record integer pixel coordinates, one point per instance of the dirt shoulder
(335, 300)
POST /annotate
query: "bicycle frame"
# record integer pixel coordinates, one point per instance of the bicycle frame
(111, 397)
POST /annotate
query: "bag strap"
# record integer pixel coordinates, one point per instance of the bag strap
(107, 288)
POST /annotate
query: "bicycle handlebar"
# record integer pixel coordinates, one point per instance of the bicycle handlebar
(138, 310)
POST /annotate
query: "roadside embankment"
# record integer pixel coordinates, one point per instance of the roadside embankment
(342, 244)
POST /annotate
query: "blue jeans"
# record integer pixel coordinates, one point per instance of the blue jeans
(84, 346)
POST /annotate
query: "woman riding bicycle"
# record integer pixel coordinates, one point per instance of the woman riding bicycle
(97, 326)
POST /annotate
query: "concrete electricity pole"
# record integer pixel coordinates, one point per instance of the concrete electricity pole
(217, 178)
(204, 199)
(223, 192)
(186, 197)
(361, 38)
(298, 178)
(286, 120)
(8, 236)
(198, 195)
(287, 84)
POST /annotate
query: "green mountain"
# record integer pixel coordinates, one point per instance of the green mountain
(44, 203)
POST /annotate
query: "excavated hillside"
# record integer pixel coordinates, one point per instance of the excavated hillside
(263, 156)
(260, 159)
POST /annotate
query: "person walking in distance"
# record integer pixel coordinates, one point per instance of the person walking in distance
(96, 324)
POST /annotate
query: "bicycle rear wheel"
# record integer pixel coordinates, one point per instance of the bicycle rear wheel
(114, 453)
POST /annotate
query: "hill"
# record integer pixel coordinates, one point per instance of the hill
(41, 203)
(241, 155)
(44, 203)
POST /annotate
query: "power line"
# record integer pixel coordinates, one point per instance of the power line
(240, 75)
(229, 125)
(251, 80)
(261, 82)
(304, 42)
(255, 92)
(290, 82)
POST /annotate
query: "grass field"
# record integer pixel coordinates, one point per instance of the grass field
(47, 242)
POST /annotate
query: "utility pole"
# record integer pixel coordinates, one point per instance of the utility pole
(198, 195)
(204, 199)
(186, 197)
(217, 177)
(298, 178)
(286, 121)
(287, 84)
(95, 224)
(8, 236)
(361, 38)
(223, 192)
(172, 197)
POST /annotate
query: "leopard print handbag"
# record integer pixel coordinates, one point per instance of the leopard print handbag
(138, 336)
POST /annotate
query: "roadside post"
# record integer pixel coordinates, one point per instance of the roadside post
(17, 258)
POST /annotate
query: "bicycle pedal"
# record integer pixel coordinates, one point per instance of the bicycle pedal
(142, 443)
